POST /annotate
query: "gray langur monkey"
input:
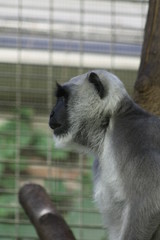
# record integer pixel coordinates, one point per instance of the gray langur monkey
(94, 111)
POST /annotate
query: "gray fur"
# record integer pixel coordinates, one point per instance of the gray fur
(126, 140)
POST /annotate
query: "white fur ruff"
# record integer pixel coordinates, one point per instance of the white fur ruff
(62, 141)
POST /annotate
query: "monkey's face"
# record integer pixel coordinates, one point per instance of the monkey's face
(59, 121)
(82, 110)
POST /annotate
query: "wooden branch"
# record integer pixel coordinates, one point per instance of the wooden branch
(56, 172)
(147, 86)
(43, 214)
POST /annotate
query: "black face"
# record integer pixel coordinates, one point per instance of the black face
(59, 117)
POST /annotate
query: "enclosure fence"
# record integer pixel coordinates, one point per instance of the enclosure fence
(41, 43)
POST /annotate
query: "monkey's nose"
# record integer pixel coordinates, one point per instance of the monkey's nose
(53, 122)
(54, 125)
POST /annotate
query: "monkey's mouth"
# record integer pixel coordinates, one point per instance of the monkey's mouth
(58, 128)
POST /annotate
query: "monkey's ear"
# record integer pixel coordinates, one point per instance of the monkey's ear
(95, 80)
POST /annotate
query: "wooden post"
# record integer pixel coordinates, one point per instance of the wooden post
(43, 214)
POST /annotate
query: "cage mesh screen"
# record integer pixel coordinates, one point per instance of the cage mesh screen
(41, 43)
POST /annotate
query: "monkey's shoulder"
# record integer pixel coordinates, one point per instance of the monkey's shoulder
(137, 130)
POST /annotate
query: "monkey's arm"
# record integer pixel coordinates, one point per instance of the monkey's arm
(138, 224)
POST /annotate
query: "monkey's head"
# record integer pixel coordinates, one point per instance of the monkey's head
(84, 107)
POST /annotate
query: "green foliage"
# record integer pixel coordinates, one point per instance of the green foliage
(26, 232)
(19, 137)
(41, 144)
(7, 199)
(88, 218)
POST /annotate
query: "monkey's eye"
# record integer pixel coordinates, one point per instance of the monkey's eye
(62, 99)
(61, 92)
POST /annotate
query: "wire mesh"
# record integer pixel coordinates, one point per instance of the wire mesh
(42, 42)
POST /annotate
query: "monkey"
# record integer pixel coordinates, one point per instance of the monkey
(95, 113)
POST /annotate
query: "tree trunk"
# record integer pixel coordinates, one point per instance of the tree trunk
(147, 85)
